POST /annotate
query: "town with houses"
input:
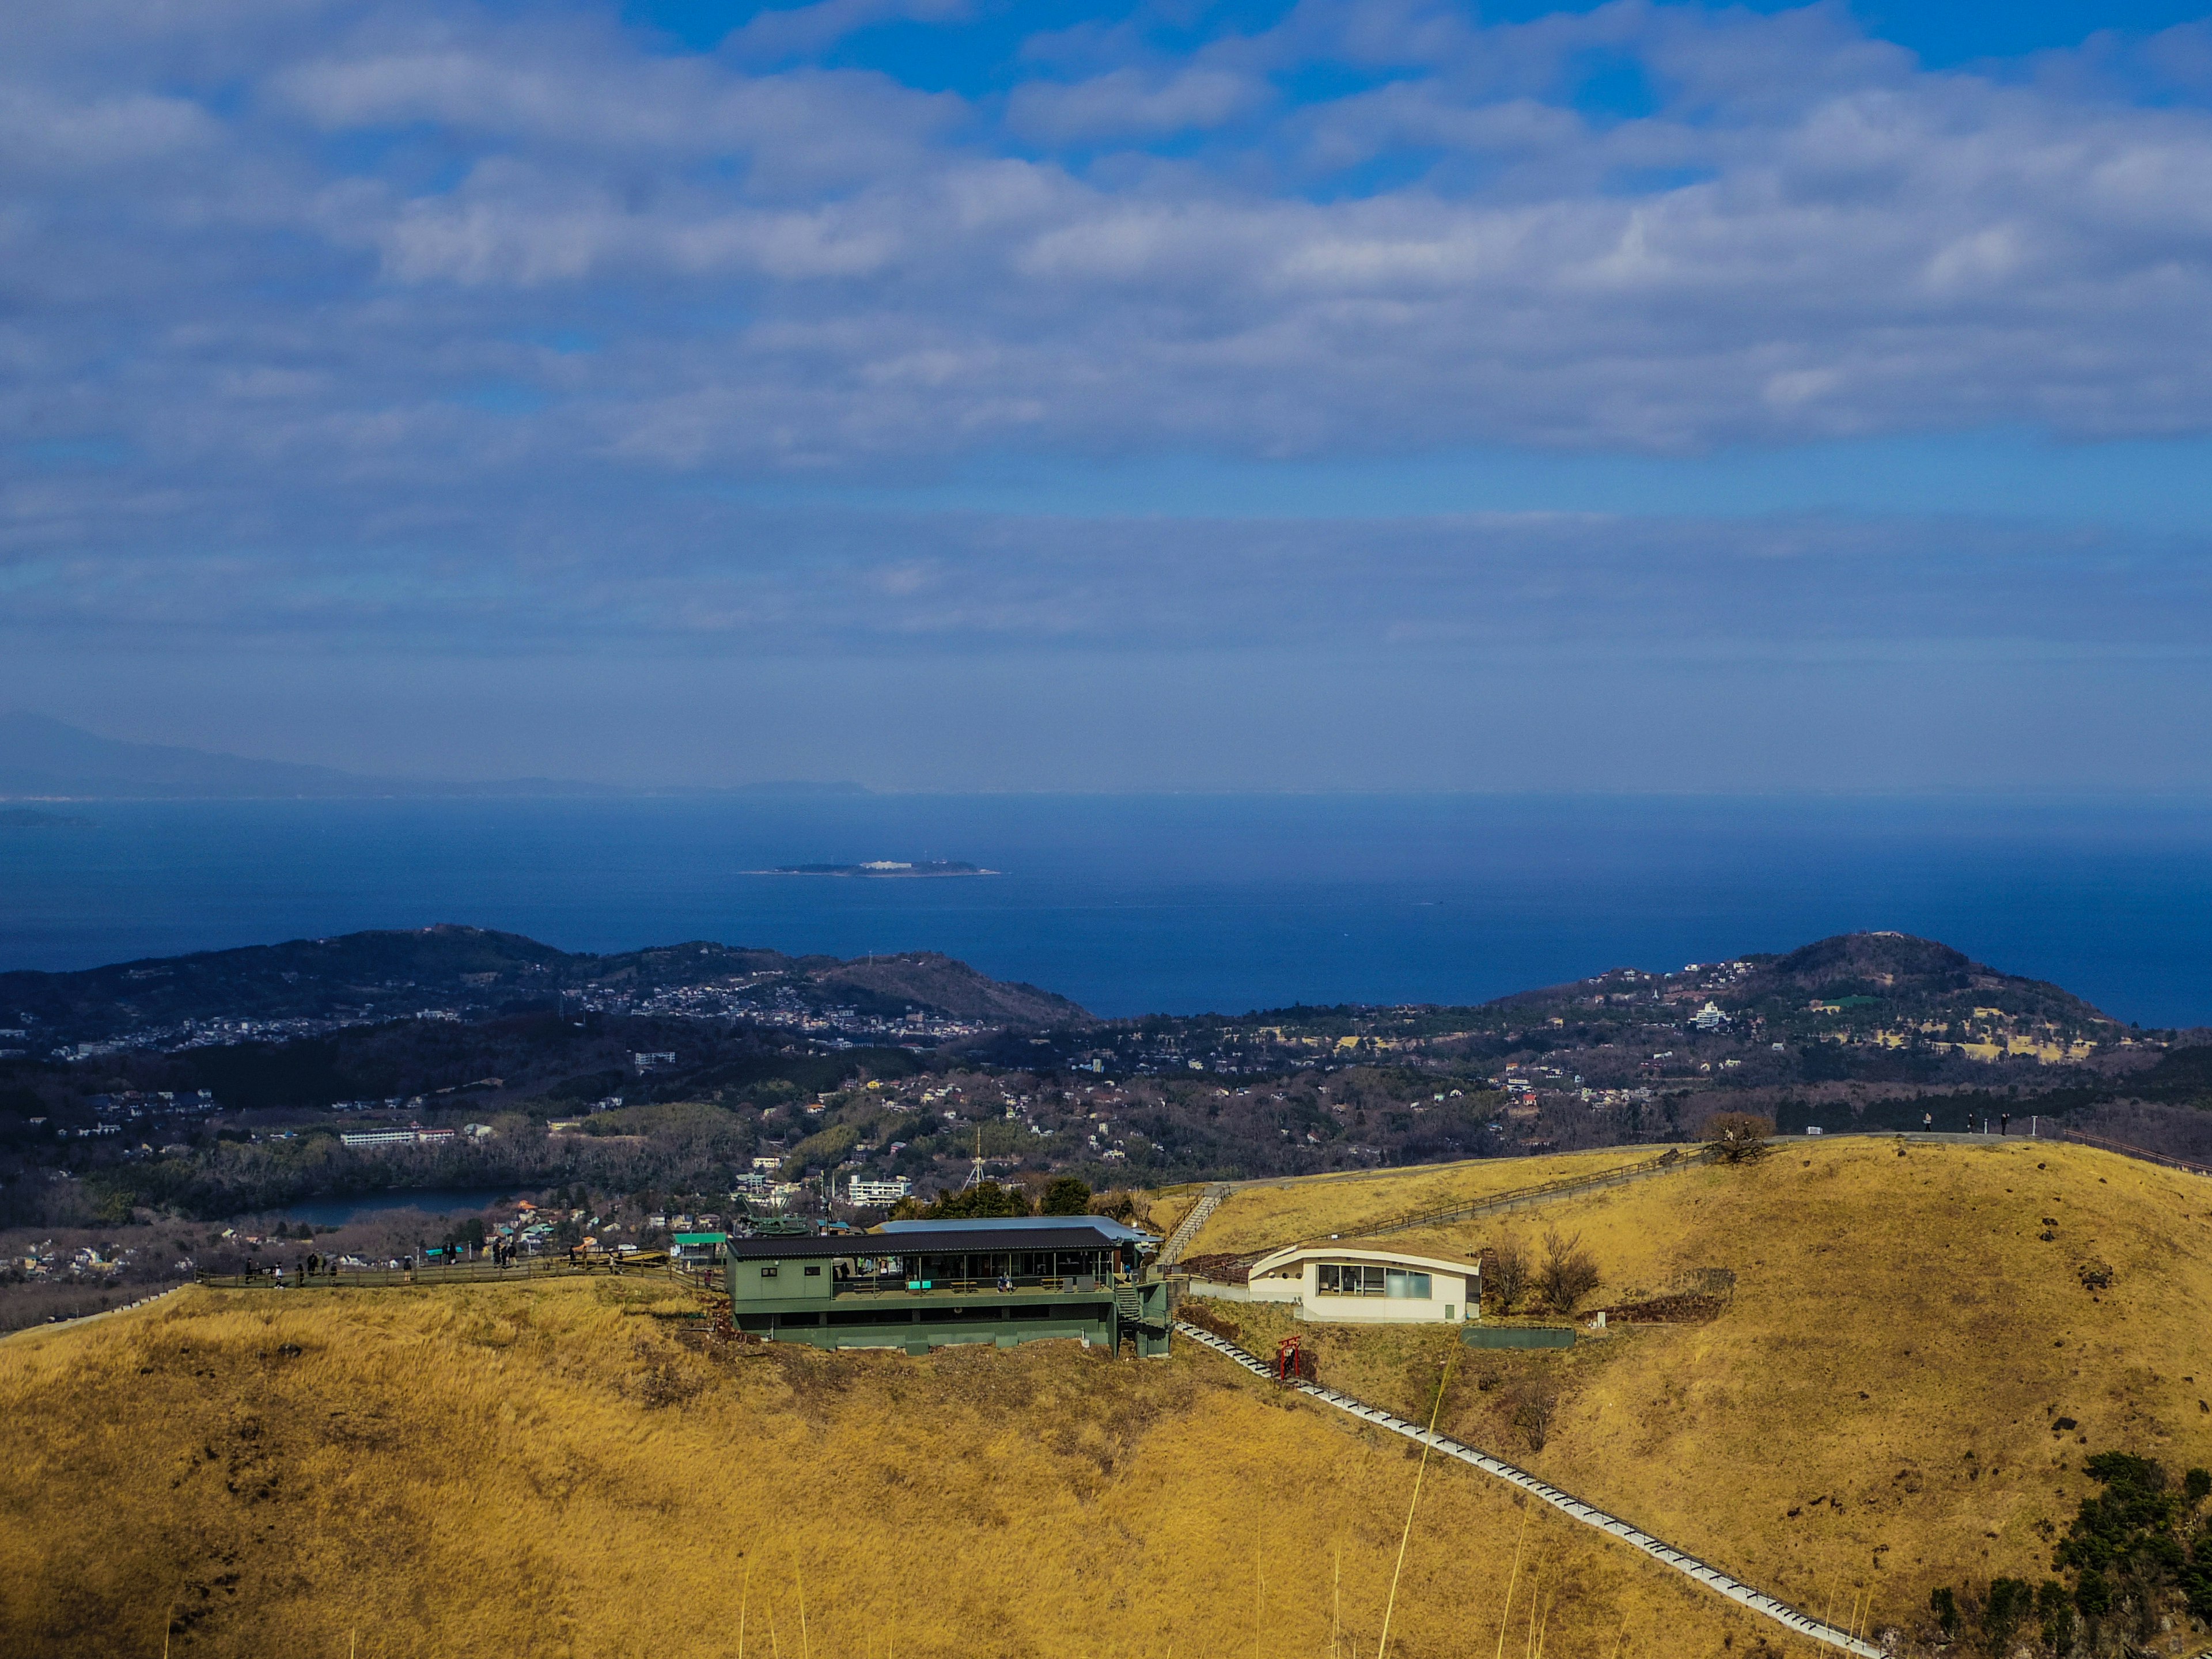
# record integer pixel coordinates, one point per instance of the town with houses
(767, 1091)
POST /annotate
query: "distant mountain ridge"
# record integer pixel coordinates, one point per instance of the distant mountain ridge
(45, 759)
(1887, 975)
(1861, 979)
(1867, 1032)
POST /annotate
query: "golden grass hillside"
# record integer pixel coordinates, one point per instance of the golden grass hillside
(1261, 1217)
(1877, 1405)
(542, 1470)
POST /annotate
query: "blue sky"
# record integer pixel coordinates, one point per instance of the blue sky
(952, 394)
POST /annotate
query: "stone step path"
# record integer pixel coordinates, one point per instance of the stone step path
(1680, 1560)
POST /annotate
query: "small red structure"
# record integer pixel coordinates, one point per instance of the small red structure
(1292, 1363)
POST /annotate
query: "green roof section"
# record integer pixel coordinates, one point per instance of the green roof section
(703, 1238)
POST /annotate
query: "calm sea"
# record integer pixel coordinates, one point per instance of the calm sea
(1174, 904)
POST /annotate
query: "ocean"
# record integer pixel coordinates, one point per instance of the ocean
(1168, 903)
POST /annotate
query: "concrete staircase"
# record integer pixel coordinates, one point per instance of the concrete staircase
(1188, 1229)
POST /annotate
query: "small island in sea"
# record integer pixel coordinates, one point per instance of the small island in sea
(884, 867)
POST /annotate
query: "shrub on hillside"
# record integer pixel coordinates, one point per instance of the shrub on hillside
(2138, 1545)
(2010, 1601)
(1738, 1137)
(1505, 1270)
(1569, 1272)
(1945, 1606)
(2056, 1608)
(1532, 1399)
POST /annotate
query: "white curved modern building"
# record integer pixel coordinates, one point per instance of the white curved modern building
(1335, 1283)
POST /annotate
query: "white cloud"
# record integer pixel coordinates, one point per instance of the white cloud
(431, 569)
(1131, 103)
(88, 135)
(790, 31)
(266, 262)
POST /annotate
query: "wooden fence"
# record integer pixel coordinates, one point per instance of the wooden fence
(2126, 1151)
(528, 1271)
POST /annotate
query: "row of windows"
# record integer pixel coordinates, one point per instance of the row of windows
(1366, 1279)
(997, 1264)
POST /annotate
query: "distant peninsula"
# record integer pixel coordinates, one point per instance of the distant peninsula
(883, 867)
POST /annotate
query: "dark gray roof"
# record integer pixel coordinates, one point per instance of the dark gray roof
(1054, 1235)
(1105, 1225)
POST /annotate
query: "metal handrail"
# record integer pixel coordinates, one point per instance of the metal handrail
(1588, 1514)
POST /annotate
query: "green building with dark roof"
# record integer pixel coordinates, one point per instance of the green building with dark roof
(919, 1285)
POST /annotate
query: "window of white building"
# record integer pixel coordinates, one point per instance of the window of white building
(1368, 1278)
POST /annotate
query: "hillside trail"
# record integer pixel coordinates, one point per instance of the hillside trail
(87, 1319)
(1682, 1561)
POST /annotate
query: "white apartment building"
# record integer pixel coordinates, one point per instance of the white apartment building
(415, 1136)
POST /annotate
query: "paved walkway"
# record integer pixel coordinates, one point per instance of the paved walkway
(1688, 1565)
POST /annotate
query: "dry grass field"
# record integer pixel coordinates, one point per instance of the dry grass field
(1261, 1217)
(545, 1471)
(1876, 1410)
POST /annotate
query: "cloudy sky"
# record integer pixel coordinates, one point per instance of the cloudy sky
(953, 393)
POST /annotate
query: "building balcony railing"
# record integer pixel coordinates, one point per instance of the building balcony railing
(892, 1284)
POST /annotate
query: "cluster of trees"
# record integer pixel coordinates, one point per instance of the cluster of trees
(2135, 1551)
(1062, 1195)
(1738, 1137)
(1560, 1278)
